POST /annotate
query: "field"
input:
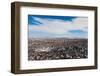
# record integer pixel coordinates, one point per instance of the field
(57, 48)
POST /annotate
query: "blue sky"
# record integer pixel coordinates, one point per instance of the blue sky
(41, 26)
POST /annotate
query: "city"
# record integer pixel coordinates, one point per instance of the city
(57, 48)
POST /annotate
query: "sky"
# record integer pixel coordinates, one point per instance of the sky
(49, 26)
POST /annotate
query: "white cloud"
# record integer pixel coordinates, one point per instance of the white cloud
(57, 26)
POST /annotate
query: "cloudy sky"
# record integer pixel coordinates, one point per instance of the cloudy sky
(41, 26)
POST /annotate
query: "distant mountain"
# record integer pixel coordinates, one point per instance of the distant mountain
(55, 38)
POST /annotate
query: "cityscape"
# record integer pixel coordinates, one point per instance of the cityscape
(57, 37)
